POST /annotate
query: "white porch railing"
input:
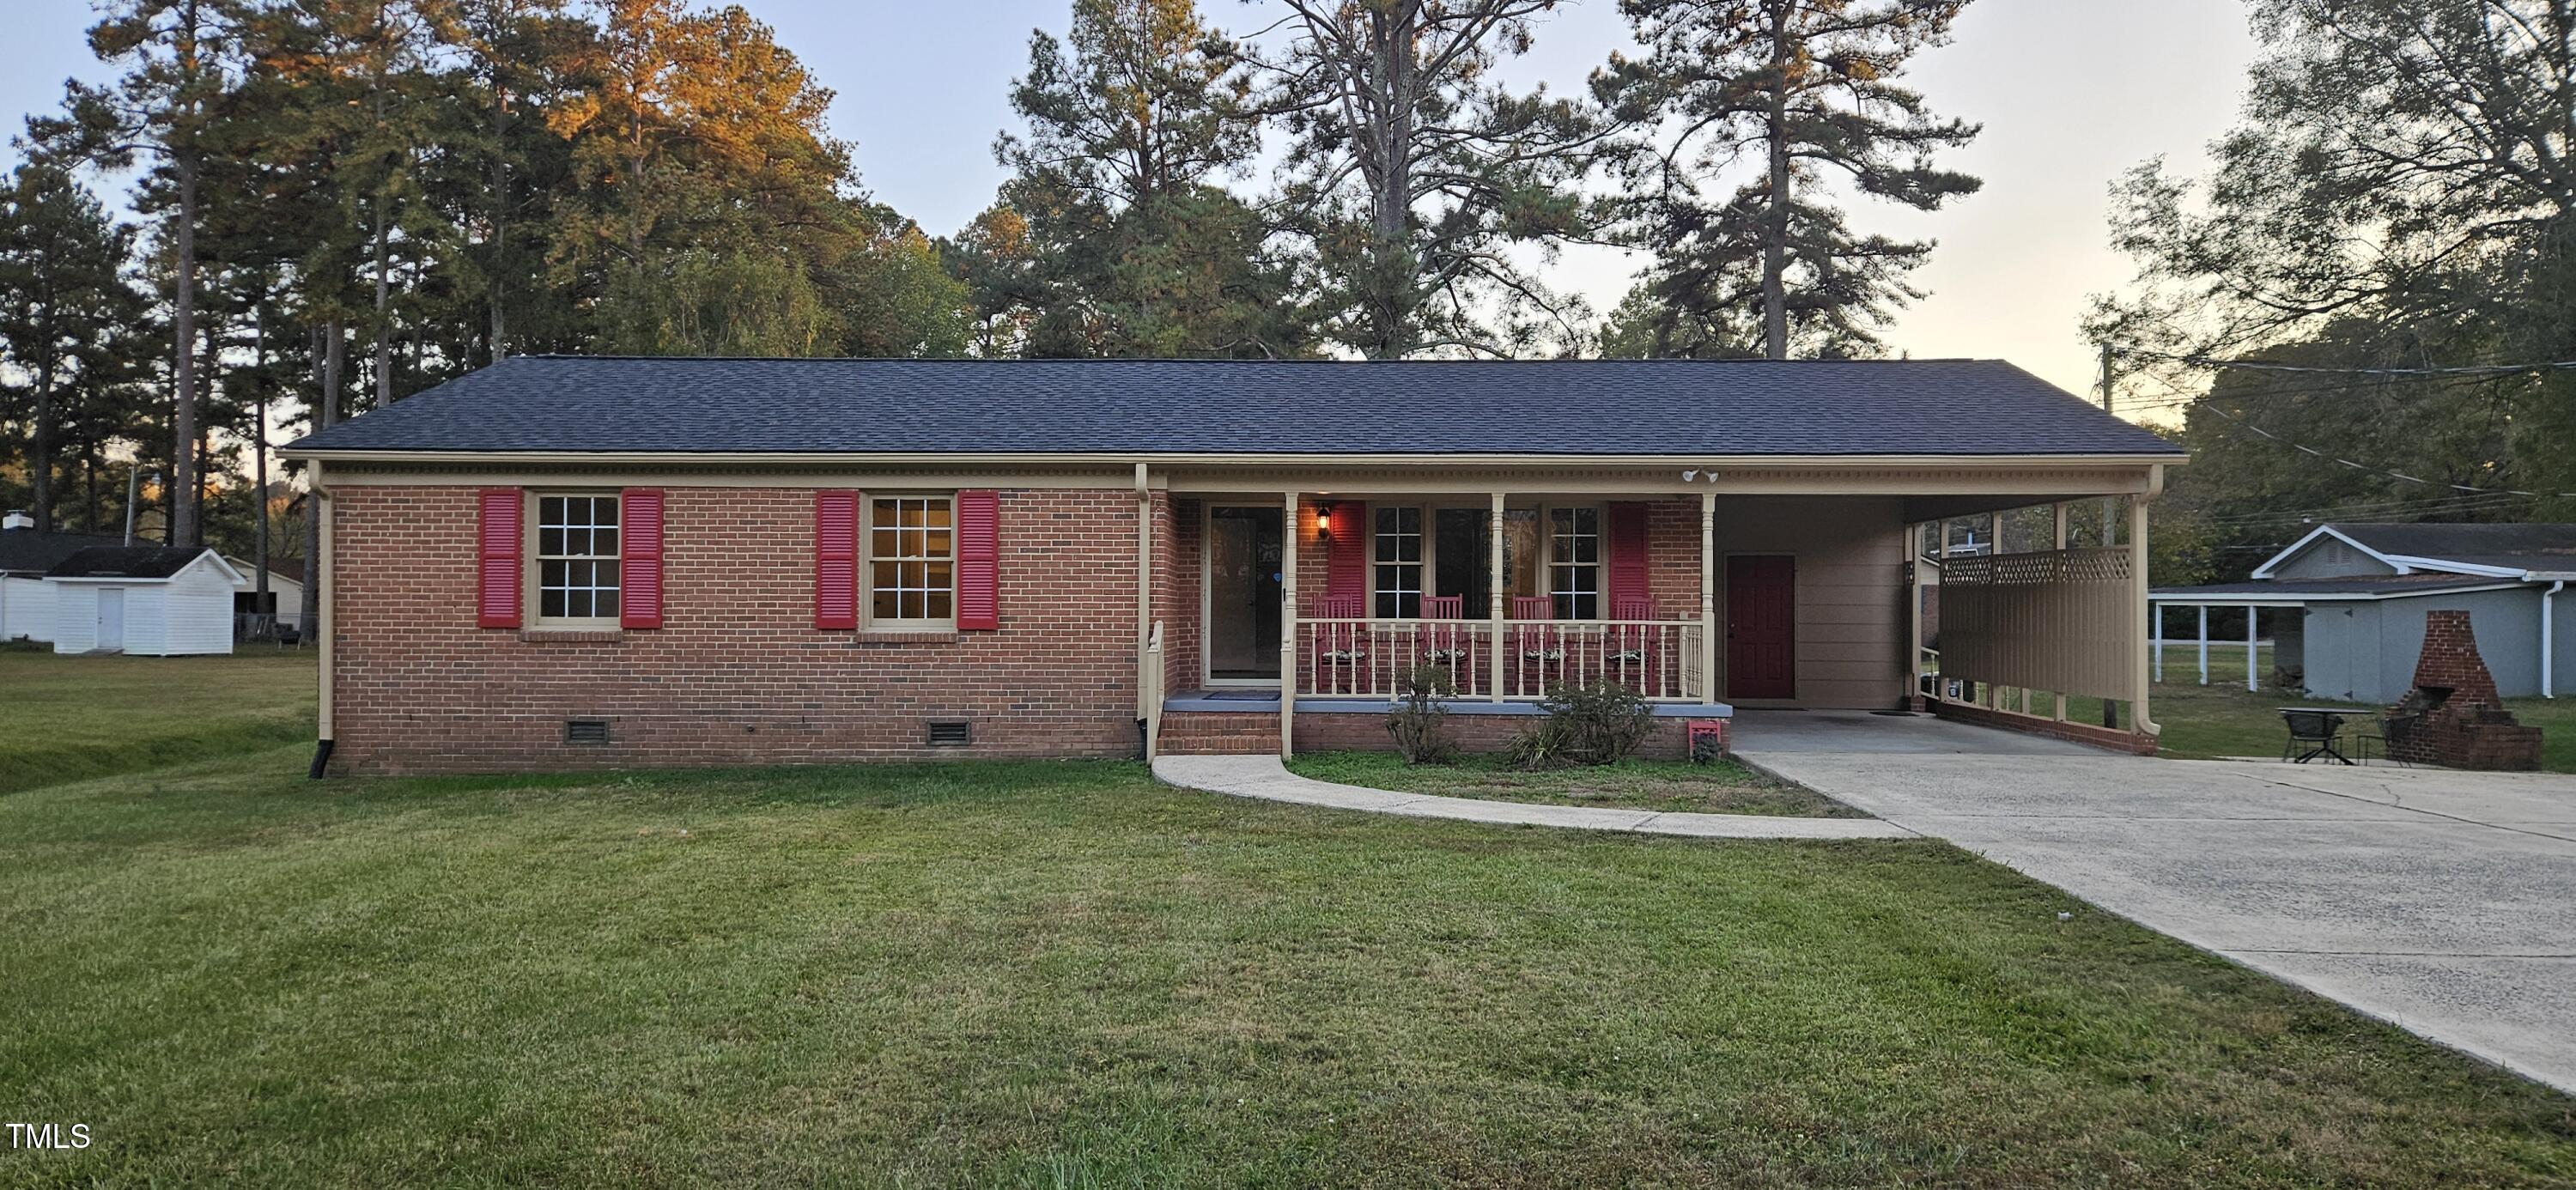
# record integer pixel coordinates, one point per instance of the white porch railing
(1366, 658)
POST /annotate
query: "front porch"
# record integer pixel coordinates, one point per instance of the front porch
(1735, 594)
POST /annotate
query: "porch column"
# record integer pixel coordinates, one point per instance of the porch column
(2204, 644)
(2156, 637)
(1913, 609)
(2139, 720)
(1288, 631)
(2251, 611)
(1708, 602)
(1494, 600)
(2057, 513)
(1147, 699)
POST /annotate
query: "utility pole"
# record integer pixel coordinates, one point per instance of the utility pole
(132, 474)
(2106, 382)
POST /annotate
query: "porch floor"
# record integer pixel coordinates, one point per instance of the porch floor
(1258, 702)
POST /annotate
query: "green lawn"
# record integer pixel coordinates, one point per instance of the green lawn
(2225, 719)
(72, 717)
(1069, 975)
(1722, 788)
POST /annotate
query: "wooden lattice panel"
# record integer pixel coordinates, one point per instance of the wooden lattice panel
(2060, 620)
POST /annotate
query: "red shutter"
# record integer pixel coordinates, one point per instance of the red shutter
(836, 559)
(1628, 566)
(639, 558)
(498, 566)
(1347, 562)
(979, 553)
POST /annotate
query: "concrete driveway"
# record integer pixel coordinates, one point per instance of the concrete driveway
(2443, 902)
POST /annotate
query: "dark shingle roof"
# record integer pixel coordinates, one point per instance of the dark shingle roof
(126, 561)
(1603, 407)
(2531, 547)
(25, 551)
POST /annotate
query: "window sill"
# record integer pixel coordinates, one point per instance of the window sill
(568, 635)
(903, 636)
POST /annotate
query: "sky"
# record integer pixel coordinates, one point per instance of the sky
(2070, 92)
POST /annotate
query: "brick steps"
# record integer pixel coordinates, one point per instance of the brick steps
(1219, 733)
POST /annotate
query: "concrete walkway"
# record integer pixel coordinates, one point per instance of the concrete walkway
(1266, 778)
(2442, 902)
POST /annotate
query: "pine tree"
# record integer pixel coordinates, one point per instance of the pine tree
(1411, 173)
(1807, 92)
(64, 301)
(1131, 245)
(180, 57)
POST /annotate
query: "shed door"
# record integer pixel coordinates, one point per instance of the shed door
(111, 618)
(1761, 621)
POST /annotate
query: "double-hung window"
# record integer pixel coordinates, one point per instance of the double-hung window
(1574, 562)
(912, 562)
(1399, 562)
(577, 559)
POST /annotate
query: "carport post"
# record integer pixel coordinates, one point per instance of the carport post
(1288, 628)
(2156, 635)
(2250, 612)
(1708, 600)
(2204, 644)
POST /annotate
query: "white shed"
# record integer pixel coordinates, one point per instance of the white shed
(147, 600)
(26, 600)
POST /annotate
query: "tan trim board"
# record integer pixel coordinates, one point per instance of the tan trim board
(1126, 459)
(708, 478)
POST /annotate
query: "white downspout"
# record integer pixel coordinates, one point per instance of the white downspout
(2548, 643)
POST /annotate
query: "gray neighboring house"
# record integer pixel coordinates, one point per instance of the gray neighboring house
(2349, 601)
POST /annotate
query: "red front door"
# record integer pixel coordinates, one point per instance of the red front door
(1761, 626)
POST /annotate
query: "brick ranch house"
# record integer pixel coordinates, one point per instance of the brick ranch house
(568, 562)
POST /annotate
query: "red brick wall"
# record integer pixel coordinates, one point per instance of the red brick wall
(2099, 736)
(1672, 550)
(1180, 555)
(739, 674)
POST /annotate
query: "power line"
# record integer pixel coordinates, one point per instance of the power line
(2396, 475)
(2256, 365)
(2364, 511)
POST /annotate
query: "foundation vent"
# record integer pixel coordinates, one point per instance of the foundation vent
(585, 731)
(950, 733)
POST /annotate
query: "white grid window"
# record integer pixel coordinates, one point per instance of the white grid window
(576, 557)
(1399, 563)
(912, 560)
(1574, 562)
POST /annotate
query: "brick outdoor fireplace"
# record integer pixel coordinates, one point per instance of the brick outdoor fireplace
(2453, 717)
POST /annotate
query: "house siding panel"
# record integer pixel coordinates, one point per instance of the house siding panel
(75, 617)
(738, 673)
(195, 613)
(26, 610)
(1850, 605)
(2366, 651)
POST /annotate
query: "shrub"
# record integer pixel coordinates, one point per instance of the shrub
(1597, 722)
(1419, 722)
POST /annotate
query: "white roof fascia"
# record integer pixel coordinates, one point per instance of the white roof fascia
(2265, 570)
